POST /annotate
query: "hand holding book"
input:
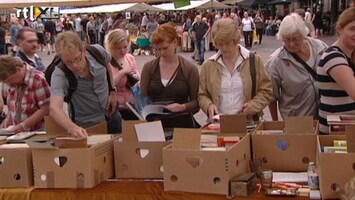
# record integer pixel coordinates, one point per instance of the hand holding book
(176, 107)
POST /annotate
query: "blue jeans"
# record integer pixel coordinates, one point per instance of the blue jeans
(2, 49)
(200, 45)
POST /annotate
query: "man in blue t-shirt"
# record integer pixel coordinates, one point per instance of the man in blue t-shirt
(93, 100)
(27, 41)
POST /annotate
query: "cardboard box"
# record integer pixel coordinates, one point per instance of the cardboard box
(16, 168)
(243, 185)
(290, 151)
(3, 140)
(72, 167)
(53, 128)
(129, 162)
(190, 169)
(334, 169)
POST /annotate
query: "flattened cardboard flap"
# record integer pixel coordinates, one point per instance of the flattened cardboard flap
(41, 145)
(350, 138)
(129, 131)
(185, 138)
(53, 128)
(233, 123)
(70, 142)
(100, 128)
(299, 125)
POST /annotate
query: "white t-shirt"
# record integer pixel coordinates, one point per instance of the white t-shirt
(77, 24)
(308, 17)
(247, 24)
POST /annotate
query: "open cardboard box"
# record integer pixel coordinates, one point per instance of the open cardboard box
(16, 169)
(334, 169)
(53, 128)
(129, 162)
(190, 169)
(73, 167)
(288, 152)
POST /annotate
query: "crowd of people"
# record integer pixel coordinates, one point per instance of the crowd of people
(304, 77)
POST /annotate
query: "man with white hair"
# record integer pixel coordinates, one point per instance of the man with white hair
(208, 35)
(199, 32)
(292, 69)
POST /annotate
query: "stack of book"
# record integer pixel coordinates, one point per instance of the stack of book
(337, 123)
(339, 146)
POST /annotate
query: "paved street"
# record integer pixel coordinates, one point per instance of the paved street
(269, 45)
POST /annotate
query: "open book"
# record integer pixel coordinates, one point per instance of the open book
(7, 131)
(149, 111)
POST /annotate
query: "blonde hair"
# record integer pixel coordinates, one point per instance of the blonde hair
(292, 24)
(67, 41)
(114, 38)
(225, 30)
(8, 66)
(345, 18)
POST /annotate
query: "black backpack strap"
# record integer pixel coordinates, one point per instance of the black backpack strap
(96, 54)
(253, 79)
(51, 67)
(99, 58)
(73, 84)
(252, 73)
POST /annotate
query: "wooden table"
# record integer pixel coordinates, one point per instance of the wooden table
(131, 190)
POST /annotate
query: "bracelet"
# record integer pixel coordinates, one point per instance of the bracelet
(23, 126)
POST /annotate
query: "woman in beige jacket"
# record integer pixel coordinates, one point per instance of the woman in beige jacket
(225, 79)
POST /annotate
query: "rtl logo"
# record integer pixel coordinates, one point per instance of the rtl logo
(33, 12)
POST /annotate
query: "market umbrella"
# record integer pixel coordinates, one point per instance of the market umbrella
(250, 3)
(166, 6)
(140, 7)
(135, 7)
(26, 3)
(275, 2)
(231, 1)
(205, 4)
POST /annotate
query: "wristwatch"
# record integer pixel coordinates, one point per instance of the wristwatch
(113, 89)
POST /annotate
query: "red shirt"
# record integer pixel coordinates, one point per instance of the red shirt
(26, 99)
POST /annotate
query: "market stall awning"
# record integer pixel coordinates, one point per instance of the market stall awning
(137, 7)
(274, 2)
(26, 3)
(204, 4)
(250, 3)
(231, 1)
(166, 6)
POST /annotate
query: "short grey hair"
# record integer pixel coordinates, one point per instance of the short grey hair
(292, 24)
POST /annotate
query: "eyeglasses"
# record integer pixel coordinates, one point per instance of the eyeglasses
(295, 39)
(75, 60)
